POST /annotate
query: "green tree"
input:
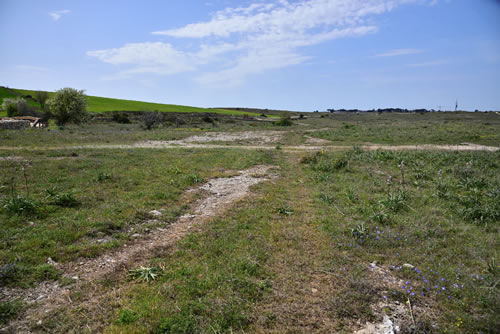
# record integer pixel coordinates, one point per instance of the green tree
(68, 105)
(42, 98)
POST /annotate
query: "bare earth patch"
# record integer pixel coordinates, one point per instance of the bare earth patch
(217, 195)
(316, 141)
(257, 137)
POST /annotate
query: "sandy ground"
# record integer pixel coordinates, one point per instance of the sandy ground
(217, 195)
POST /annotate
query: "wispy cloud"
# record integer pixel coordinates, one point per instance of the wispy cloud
(31, 68)
(430, 63)
(399, 52)
(57, 14)
(238, 42)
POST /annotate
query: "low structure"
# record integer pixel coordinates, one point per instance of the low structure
(21, 122)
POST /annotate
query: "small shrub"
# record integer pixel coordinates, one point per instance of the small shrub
(207, 119)
(312, 158)
(121, 118)
(16, 107)
(284, 122)
(152, 119)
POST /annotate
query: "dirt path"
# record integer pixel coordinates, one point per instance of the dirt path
(219, 194)
(304, 148)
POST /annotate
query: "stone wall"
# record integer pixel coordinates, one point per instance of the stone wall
(14, 124)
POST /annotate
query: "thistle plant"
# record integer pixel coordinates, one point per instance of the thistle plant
(144, 274)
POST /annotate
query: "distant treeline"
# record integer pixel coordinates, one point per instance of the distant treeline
(396, 110)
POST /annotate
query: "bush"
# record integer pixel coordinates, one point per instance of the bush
(284, 122)
(153, 119)
(121, 118)
(68, 106)
(16, 107)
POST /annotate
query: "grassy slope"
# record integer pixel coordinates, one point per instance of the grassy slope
(102, 104)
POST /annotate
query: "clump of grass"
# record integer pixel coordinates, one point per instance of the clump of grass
(127, 316)
(381, 217)
(395, 201)
(9, 310)
(144, 274)
(19, 205)
(64, 199)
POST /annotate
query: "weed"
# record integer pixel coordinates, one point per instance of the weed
(144, 274)
(351, 196)
(359, 232)
(284, 209)
(103, 176)
(395, 201)
(19, 205)
(326, 198)
(193, 179)
(64, 199)
(381, 217)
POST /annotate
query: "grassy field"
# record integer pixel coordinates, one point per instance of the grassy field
(338, 240)
(102, 104)
(427, 128)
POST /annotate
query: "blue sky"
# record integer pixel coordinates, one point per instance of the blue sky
(297, 54)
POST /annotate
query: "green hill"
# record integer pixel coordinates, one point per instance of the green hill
(101, 104)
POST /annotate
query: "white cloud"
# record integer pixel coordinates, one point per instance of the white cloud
(57, 14)
(399, 52)
(237, 42)
(159, 58)
(430, 63)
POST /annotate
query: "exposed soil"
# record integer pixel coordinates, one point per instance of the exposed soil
(259, 141)
(316, 141)
(216, 196)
